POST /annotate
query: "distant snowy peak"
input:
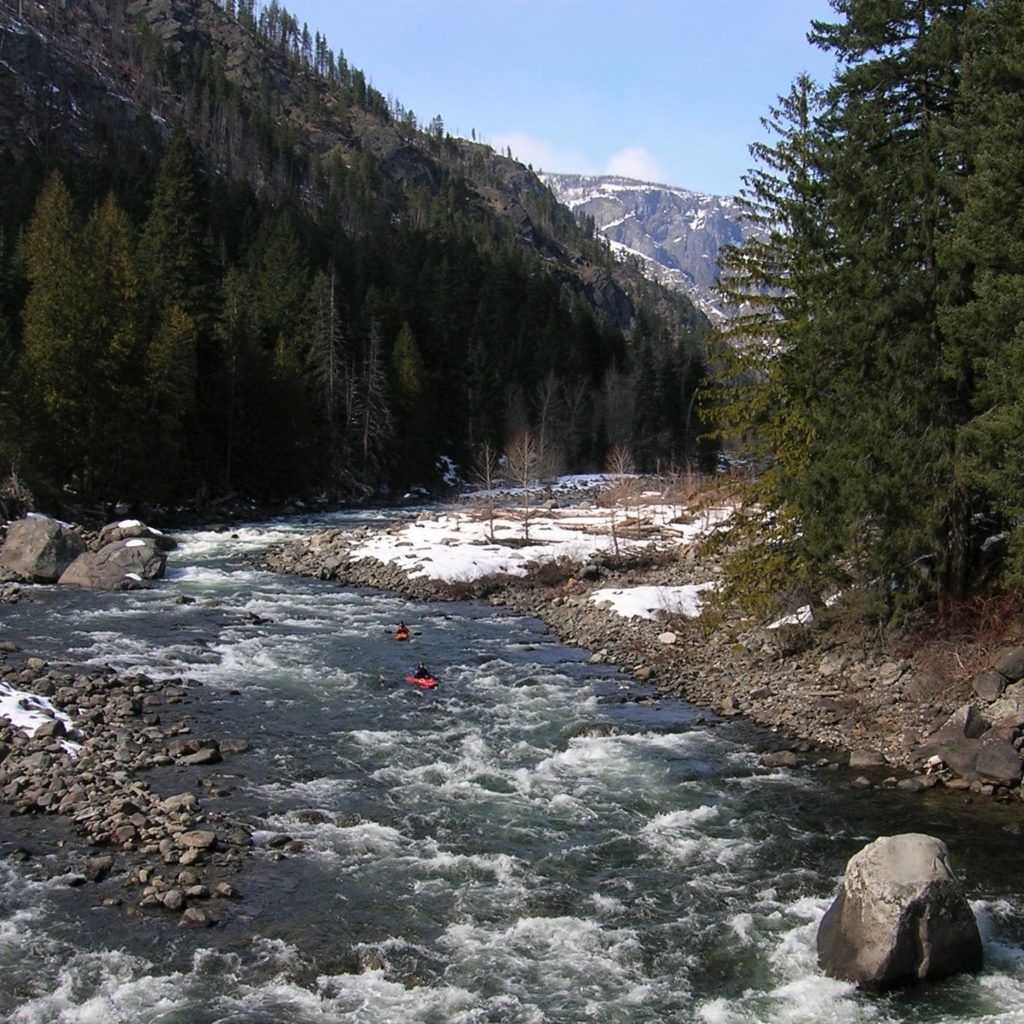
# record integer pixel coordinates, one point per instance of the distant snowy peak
(676, 233)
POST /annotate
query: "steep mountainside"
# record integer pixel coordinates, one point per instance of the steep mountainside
(205, 193)
(676, 233)
(106, 80)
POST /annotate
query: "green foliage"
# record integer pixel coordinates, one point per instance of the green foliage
(877, 363)
(82, 340)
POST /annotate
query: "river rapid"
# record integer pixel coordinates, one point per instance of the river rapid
(519, 846)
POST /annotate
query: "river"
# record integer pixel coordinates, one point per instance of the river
(519, 846)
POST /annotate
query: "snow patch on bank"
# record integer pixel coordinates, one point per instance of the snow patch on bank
(473, 543)
(650, 602)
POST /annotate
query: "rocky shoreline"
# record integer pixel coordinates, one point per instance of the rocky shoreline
(892, 718)
(171, 852)
(119, 771)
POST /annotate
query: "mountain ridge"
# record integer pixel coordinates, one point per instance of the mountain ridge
(676, 233)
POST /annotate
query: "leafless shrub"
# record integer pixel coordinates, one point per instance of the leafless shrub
(964, 635)
(16, 500)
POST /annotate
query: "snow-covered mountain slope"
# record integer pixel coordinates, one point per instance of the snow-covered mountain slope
(676, 233)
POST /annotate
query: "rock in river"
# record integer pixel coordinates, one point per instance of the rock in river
(900, 916)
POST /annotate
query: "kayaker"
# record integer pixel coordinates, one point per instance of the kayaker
(422, 672)
(401, 631)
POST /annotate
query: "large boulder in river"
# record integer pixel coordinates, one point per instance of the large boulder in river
(38, 549)
(128, 529)
(900, 916)
(121, 565)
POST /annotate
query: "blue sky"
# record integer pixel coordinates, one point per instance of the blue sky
(663, 90)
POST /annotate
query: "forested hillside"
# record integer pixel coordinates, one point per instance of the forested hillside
(878, 373)
(229, 265)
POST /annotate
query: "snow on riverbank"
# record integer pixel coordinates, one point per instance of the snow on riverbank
(472, 543)
(649, 602)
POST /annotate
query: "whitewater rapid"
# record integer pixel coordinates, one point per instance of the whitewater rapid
(522, 845)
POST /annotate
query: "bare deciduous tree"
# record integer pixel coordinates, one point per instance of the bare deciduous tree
(523, 458)
(485, 471)
(619, 468)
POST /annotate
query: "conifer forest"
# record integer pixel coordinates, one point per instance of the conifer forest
(303, 288)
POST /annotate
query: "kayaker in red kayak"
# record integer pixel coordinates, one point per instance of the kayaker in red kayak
(401, 631)
(422, 677)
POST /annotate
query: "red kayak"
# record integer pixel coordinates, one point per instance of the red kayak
(424, 682)
(401, 634)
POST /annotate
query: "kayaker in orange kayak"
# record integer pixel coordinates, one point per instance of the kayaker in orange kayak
(401, 631)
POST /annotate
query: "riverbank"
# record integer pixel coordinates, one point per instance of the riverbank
(625, 583)
(113, 759)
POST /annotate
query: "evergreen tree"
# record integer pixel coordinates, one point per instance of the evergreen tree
(82, 347)
(170, 377)
(374, 420)
(887, 406)
(176, 257)
(112, 337)
(175, 248)
(331, 371)
(413, 440)
(985, 332)
(758, 403)
(863, 392)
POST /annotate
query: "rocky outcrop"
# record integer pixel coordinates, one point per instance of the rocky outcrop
(38, 549)
(976, 749)
(900, 916)
(125, 555)
(677, 233)
(121, 565)
(131, 529)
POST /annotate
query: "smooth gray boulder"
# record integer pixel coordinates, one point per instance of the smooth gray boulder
(38, 549)
(122, 565)
(900, 917)
(989, 685)
(1009, 662)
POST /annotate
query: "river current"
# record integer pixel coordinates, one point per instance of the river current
(519, 846)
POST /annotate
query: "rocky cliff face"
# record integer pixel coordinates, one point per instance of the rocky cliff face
(676, 234)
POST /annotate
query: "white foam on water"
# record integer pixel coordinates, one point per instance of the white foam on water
(682, 819)
(28, 711)
(110, 987)
(742, 926)
(264, 987)
(678, 838)
(314, 794)
(119, 650)
(586, 970)
(613, 764)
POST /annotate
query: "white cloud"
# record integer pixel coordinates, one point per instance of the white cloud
(542, 155)
(634, 162)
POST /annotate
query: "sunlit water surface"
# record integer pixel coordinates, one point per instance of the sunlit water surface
(517, 846)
